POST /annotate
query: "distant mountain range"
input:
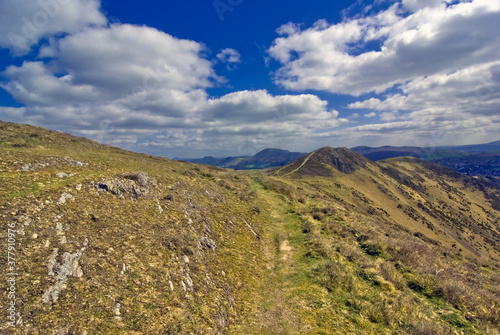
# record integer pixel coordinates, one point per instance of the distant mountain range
(267, 158)
(473, 160)
(428, 153)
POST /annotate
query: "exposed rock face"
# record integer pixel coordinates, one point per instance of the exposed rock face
(61, 271)
(137, 184)
(63, 198)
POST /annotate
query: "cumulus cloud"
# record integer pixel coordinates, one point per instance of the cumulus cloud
(475, 89)
(239, 123)
(289, 28)
(229, 55)
(415, 5)
(374, 53)
(431, 67)
(129, 62)
(461, 107)
(24, 23)
(423, 129)
(145, 90)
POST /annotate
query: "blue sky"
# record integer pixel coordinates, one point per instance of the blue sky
(232, 77)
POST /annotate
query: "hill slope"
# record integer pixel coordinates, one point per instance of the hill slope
(473, 160)
(325, 162)
(109, 241)
(430, 153)
(385, 152)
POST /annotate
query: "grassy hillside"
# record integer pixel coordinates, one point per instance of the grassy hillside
(109, 241)
(473, 160)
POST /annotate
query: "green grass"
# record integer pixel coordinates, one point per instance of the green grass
(264, 254)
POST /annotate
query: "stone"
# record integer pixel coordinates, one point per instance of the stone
(117, 313)
(61, 271)
(51, 264)
(65, 196)
(59, 228)
(189, 281)
(25, 167)
(137, 184)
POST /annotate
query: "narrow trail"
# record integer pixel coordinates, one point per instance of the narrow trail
(279, 312)
(275, 315)
(285, 248)
(301, 165)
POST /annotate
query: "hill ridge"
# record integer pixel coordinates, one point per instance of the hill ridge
(110, 241)
(321, 162)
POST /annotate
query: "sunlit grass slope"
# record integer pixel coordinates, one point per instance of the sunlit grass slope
(114, 242)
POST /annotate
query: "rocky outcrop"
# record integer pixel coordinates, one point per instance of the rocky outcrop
(69, 266)
(136, 185)
(64, 197)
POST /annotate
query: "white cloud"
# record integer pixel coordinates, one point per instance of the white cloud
(424, 129)
(133, 57)
(428, 41)
(435, 69)
(229, 55)
(389, 116)
(371, 103)
(475, 89)
(238, 123)
(145, 90)
(24, 23)
(443, 109)
(289, 28)
(34, 84)
(128, 60)
(415, 5)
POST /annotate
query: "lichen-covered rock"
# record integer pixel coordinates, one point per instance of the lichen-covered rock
(137, 185)
(117, 313)
(33, 167)
(61, 271)
(62, 175)
(65, 196)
